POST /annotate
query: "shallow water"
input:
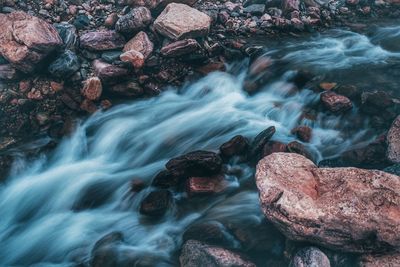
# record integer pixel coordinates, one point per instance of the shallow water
(41, 224)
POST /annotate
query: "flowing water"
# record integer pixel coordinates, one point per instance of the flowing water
(44, 220)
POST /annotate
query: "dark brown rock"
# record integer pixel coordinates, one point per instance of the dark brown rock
(304, 133)
(273, 147)
(180, 48)
(157, 203)
(102, 40)
(298, 148)
(238, 145)
(259, 142)
(165, 179)
(335, 103)
(136, 20)
(109, 73)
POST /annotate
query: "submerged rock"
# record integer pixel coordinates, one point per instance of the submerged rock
(102, 40)
(157, 203)
(260, 140)
(238, 145)
(302, 132)
(393, 141)
(65, 65)
(346, 209)
(310, 257)
(385, 260)
(179, 21)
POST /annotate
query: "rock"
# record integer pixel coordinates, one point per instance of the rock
(393, 141)
(109, 73)
(346, 209)
(385, 260)
(134, 57)
(179, 21)
(88, 106)
(111, 56)
(129, 89)
(290, 5)
(140, 43)
(92, 89)
(68, 35)
(302, 132)
(8, 72)
(165, 179)
(394, 169)
(180, 48)
(327, 86)
(255, 9)
(237, 146)
(206, 185)
(110, 21)
(374, 103)
(197, 254)
(65, 65)
(335, 103)
(81, 22)
(196, 163)
(26, 40)
(102, 40)
(350, 91)
(260, 140)
(298, 148)
(273, 147)
(157, 203)
(310, 257)
(136, 20)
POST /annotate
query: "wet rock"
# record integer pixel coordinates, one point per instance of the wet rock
(260, 140)
(196, 163)
(165, 179)
(350, 91)
(255, 9)
(374, 103)
(346, 209)
(81, 22)
(179, 21)
(136, 20)
(180, 48)
(130, 89)
(393, 141)
(301, 78)
(68, 35)
(111, 56)
(105, 250)
(327, 86)
(290, 5)
(109, 73)
(310, 256)
(304, 133)
(8, 72)
(140, 43)
(394, 169)
(5, 166)
(196, 186)
(65, 65)
(385, 260)
(134, 57)
(237, 146)
(137, 185)
(273, 147)
(102, 40)
(26, 40)
(195, 253)
(335, 103)
(92, 89)
(157, 203)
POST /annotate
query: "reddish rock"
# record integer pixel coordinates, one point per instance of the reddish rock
(273, 147)
(8, 72)
(383, 260)
(304, 133)
(393, 142)
(346, 209)
(92, 89)
(238, 145)
(205, 185)
(25, 86)
(335, 103)
(136, 20)
(140, 43)
(26, 40)
(179, 21)
(102, 40)
(111, 20)
(156, 203)
(198, 254)
(180, 48)
(134, 57)
(109, 73)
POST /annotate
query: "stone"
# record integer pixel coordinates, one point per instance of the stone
(88, 106)
(180, 48)
(384, 260)
(255, 9)
(102, 40)
(136, 20)
(393, 141)
(273, 147)
(157, 203)
(140, 43)
(310, 256)
(290, 5)
(109, 73)
(134, 57)
(8, 72)
(303, 132)
(346, 209)
(335, 103)
(111, 56)
(374, 103)
(298, 148)
(81, 22)
(165, 179)
(26, 40)
(260, 140)
(92, 89)
(198, 254)
(327, 86)
(196, 163)
(237, 146)
(65, 65)
(350, 91)
(196, 186)
(130, 89)
(110, 21)
(68, 35)
(179, 21)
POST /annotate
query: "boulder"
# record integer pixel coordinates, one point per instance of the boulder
(180, 48)
(179, 21)
(157, 203)
(26, 40)
(345, 209)
(310, 257)
(198, 254)
(102, 40)
(140, 43)
(136, 20)
(335, 103)
(109, 73)
(92, 89)
(65, 65)
(238, 145)
(393, 142)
